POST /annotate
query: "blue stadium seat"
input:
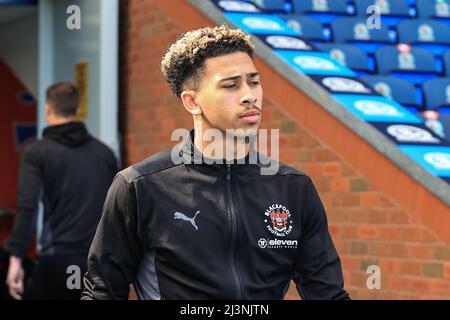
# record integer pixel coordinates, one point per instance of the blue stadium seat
(437, 9)
(392, 11)
(348, 55)
(444, 119)
(271, 5)
(437, 93)
(309, 28)
(446, 62)
(354, 30)
(387, 7)
(416, 65)
(398, 89)
(323, 10)
(428, 34)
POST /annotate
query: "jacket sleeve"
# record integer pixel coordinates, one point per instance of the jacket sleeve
(116, 251)
(318, 272)
(28, 195)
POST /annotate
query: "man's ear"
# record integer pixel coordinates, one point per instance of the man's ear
(48, 109)
(189, 102)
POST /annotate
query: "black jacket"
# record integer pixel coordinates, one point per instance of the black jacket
(70, 171)
(222, 231)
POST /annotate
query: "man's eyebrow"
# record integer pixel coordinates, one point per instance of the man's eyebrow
(249, 75)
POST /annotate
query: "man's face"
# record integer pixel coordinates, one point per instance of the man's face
(230, 93)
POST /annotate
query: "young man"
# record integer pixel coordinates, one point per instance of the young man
(179, 228)
(70, 172)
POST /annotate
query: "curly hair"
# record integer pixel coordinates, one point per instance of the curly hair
(183, 63)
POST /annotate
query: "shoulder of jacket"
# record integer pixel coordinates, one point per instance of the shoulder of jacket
(103, 146)
(151, 165)
(281, 168)
(36, 147)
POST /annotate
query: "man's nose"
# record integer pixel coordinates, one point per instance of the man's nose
(248, 99)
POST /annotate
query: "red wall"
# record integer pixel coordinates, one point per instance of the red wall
(15, 113)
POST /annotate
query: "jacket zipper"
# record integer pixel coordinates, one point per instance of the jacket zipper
(232, 213)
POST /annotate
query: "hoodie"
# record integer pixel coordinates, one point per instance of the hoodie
(69, 171)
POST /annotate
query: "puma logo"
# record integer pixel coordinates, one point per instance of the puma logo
(182, 216)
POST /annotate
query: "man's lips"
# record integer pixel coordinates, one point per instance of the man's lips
(251, 116)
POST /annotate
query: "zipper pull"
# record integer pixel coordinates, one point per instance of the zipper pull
(228, 172)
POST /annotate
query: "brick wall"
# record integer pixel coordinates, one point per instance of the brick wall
(367, 225)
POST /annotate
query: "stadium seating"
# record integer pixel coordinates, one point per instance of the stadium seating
(348, 55)
(428, 34)
(437, 93)
(286, 42)
(271, 5)
(237, 6)
(355, 31)
(324, 11)
(398, 89)
(413, 64)
(433, 9)
(392, 11)
(308, 28)
(391, 72)
(446, 63)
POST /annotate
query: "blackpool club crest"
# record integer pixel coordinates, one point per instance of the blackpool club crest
(278, 219)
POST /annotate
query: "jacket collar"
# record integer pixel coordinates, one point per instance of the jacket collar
(190, 155)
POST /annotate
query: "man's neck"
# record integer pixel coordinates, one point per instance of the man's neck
(60, 121)
(226, 147)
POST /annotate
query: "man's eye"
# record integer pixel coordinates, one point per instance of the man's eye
(230, 85)
(254, 83)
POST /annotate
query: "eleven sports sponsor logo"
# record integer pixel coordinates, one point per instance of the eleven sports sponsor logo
(277, 243)
(279, 223)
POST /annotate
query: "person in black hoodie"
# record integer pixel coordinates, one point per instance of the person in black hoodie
(70, 172)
